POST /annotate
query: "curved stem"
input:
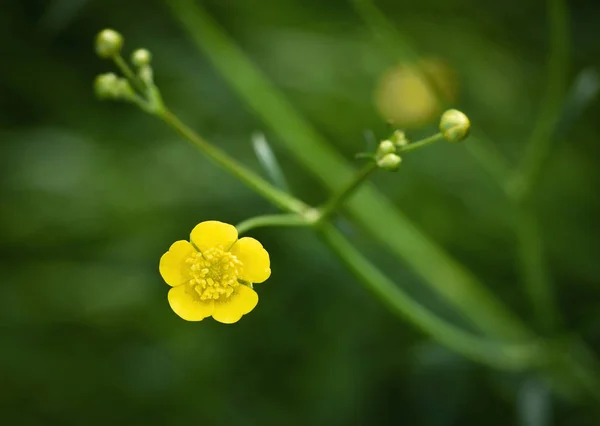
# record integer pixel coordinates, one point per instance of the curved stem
(421, 143)
(534, 272)
(258, 184)
(535, 275)
(128, 73)
(272, 220)
(541, 136)
(338, 199)
(502, 355)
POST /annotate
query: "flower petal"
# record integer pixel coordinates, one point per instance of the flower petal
(172, 264)
(188, 305)
(212, 233)
(242, 301)
(254, 258)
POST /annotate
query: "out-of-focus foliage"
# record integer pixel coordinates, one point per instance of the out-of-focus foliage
(93, 193)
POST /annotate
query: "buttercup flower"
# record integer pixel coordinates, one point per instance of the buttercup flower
(212, 275)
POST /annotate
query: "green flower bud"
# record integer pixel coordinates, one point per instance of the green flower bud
(141, 57)
(399, 138)
(109, 86)
(108, 43)
(389, 162)
(454, 125)
(386, 147)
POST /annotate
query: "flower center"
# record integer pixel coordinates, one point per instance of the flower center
(214, 273)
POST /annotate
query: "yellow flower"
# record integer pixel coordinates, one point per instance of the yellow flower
(409, 94)
(212, 274)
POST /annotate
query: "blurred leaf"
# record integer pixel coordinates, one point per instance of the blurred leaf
(582, 94)
(534, 404)
(267, 159)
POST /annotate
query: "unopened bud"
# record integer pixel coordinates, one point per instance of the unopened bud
(109, 86)
(399, 138)
(386, 147)
(108, 43)
(141, 57)
(389, 162)
(454, 125)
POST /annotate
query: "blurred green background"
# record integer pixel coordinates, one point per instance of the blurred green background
(94, 192)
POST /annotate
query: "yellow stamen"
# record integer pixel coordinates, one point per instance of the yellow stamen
(215, 273)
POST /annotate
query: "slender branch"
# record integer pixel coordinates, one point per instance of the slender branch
(500, 355)
(535, 275)
(533, 269)
(541, 137)
(281, 199)
(272, 220)
(421, 143)
(338, 199)
(128, 72)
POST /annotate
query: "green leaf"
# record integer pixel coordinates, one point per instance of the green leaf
(268, 161)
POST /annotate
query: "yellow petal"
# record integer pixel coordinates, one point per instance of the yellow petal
(172, 264)
(213, 234)
(188, 305)
(230, 310)
(254, 258)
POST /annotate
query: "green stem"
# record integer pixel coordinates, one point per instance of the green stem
(272, 220)
(361, 176)
(128, 73)
(279, 198)
(541, 137)
(338, 199)
(533, 269)
(535, 276)
(421, 143)
(507, 356)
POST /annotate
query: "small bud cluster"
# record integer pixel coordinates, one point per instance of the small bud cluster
(385, 156)
(138, 86)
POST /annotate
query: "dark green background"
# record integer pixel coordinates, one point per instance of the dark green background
(92, 193)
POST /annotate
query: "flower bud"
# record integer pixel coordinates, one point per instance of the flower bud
(141, 57)
(454, 125)
(109, 86)
(399, 138)
(108, 43)
(386, 147)
(389, 162)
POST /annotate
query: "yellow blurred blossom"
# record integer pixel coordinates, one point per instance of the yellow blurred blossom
(408, 95)
(213, 275)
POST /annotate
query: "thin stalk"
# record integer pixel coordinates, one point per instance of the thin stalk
(272, 220)
(499, 355)
(338, 199)
(128, 73)
(419, 144)
(534, 271)
(540, 141)
(535, 275)
(279, 198)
